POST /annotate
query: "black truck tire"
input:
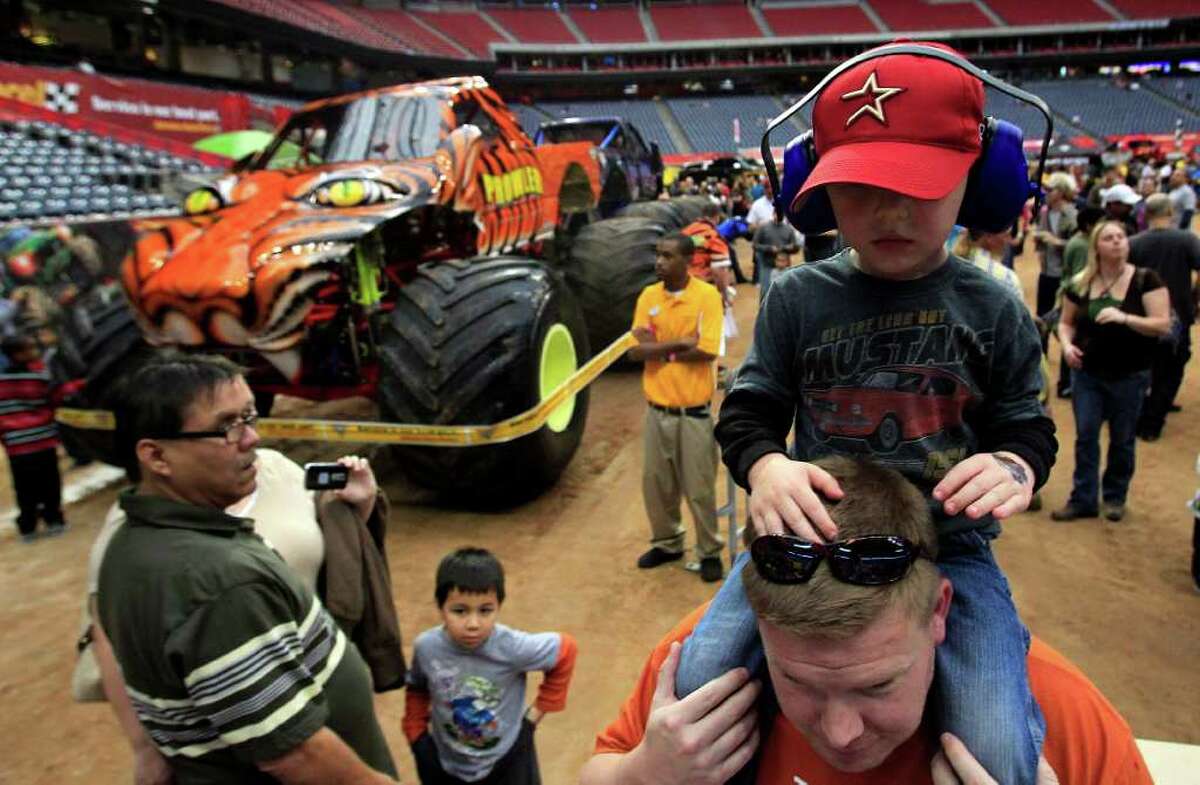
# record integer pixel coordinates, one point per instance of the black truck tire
(99, 342)
(691, 207)
(467, 343)
(666, 212)
(611, 263)
(671, 213)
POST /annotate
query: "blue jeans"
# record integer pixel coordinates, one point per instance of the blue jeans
(1119, 403)
(982, 684)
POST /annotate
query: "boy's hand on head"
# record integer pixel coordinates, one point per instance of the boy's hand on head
(999, 483)
(785, 498)
(703, 739)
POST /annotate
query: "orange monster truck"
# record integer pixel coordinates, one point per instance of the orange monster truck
(406, 244)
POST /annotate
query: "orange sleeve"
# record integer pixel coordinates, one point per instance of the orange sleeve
(717, 248)
(1087, 741)
(552, 694)
(641, 313)
(417, 711)
(712, 321)
(627, 729)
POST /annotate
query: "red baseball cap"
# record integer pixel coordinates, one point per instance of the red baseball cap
(907, 123)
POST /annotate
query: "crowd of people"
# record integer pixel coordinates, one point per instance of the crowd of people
(238, 621)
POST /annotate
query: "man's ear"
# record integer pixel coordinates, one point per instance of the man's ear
(150, 456)
(937, 622)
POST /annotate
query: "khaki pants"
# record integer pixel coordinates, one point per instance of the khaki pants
(681, 460)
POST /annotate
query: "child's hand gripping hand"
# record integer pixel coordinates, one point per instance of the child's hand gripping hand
(997, 482)
(955, 765)
(703, 739)
(785, 497)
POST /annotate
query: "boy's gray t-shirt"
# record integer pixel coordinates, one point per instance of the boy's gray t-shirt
(907, 372)
(477, 698)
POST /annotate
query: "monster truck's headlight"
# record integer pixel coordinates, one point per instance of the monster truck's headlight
(352, 193)
(202, 200)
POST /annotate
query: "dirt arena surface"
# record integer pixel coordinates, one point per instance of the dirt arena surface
(1115, 598)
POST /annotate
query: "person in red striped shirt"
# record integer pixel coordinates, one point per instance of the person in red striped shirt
(31, 438)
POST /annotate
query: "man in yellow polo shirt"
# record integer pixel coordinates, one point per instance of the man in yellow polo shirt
(678, 326)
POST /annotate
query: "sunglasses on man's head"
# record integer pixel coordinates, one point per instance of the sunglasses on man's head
(873, 560)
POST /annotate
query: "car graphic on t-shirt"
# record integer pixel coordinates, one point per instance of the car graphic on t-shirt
(890, 405)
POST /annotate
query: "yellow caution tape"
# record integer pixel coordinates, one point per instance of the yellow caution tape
(514, 427)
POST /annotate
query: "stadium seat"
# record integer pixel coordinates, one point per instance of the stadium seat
(533, 25)
(925, 15)
(819, 20)
(700, 22)
(608, 24)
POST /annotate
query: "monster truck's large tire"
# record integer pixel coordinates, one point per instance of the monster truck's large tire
(476, 342)
(99, 342)
(611, 262)
(692, 207)
(671, 213)
(666, 213)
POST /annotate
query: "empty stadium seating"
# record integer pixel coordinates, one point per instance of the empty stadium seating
(48, 171)
(1023, 12)
(403, 26)
(643, 114)
(320, 17)
(609, 25)
(923, 15)
(1099, 106)
(468, 28)
(703, 22)
(1029, 119)
(1155, 9)
(533, 25)
(1185, 90)
(818, 20)
(708, 122)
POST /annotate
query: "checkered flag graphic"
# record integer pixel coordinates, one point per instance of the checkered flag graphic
(62, 97)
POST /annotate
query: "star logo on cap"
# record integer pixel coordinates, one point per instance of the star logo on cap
(874, 107)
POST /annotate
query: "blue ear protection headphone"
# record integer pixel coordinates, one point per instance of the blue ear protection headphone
(998, 184)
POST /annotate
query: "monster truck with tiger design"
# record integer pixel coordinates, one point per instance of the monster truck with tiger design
(409, 244)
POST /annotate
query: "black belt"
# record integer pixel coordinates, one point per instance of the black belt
(683, 411)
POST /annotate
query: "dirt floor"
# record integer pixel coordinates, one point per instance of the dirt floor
(1115, 598)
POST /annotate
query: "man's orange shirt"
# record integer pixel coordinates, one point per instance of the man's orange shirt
(1087, 741)
(696, 310)
(711, 249)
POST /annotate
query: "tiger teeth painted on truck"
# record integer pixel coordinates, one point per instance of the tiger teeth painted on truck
(247, 275)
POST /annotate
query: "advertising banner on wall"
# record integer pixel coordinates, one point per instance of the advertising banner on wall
(180, 113)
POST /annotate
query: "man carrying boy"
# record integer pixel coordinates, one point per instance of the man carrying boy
(846, 693)
(30, 438)
(678, 326)
(464, 711)
(893, 349)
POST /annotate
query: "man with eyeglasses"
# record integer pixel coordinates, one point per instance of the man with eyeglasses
(849, 631)
(235, 670)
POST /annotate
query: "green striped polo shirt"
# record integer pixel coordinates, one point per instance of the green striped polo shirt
(229, 660)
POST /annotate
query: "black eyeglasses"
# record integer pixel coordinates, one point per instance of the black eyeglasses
(873, 560)
(232, 433)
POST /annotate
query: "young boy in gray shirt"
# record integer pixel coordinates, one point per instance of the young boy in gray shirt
(464, 712)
